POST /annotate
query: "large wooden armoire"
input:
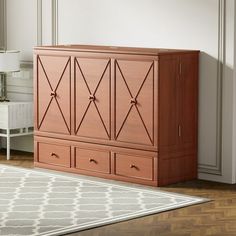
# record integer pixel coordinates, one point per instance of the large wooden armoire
(121, 113)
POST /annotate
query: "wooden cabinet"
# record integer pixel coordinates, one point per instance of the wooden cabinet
(125, 113)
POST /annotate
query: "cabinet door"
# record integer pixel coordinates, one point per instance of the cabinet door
(92, 97)
(53, 94)
(168, 97)
(188, 97)
(134, 102)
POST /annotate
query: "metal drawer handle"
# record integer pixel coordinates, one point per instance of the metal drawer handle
(54, 155)
(132, 166)
(92, 160)
(53, 94)
(133, 101)
(91, 97)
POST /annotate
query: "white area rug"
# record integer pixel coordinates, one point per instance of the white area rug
(40, 203)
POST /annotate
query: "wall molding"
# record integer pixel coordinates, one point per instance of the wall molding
(54, 22)
(24, 64)
(29, 64)
(217, 168)
(1, 24)
(39, 22)
(3, 43)
(5, 24)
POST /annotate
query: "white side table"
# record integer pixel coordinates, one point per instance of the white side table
(16, 119)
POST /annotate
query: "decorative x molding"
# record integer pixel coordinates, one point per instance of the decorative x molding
(53, 94)
(134, 101)
(92, 97)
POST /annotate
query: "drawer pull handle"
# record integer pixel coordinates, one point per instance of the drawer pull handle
(133, 166)
(92, 160)
(133, 101)
(54, 155)
(91, 97)
(53, 94)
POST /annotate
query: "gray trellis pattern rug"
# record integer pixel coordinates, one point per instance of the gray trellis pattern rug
(38, 203)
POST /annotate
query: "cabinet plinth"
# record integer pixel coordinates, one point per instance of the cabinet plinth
(121, 113)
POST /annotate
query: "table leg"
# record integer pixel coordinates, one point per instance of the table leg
(8, 144)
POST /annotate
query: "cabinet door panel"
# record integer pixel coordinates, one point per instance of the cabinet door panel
(168, 102)
(189, 94)
(53, 94)
(134, 101)
(92, 97)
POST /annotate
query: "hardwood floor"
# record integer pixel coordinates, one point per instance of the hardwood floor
(217, 217)
(23, 159)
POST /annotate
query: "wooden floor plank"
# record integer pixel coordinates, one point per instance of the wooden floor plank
(217, 217)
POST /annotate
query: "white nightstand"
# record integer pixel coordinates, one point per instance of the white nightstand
(16, 119)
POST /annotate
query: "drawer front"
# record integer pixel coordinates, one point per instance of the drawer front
(134, 166)
(92, 160)
(54, 154)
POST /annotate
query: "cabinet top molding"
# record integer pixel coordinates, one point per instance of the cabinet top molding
(115, 49)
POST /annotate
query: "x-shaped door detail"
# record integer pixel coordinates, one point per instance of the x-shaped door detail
(51, 95)
(92, 86)
(132, 101)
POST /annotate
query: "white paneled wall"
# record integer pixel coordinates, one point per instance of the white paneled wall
(147, 23)
(21, 34)
(188, 24)
(21, 27)
(1, 24)
(207, 25)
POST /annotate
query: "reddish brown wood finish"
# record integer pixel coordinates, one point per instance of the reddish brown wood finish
(54, 154)
(53, 94)
(139, 167)
(92, 160)
(92, 98)
(115, 50)
(101, 152)
(178, 79)
(123, 113)
(188, 100)
(134, 101)
(168, 102)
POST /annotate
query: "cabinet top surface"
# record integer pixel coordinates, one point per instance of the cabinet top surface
(114, 49)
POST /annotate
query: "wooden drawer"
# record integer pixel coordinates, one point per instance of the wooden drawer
(134, 166)
(54, 154)
(92, 160)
